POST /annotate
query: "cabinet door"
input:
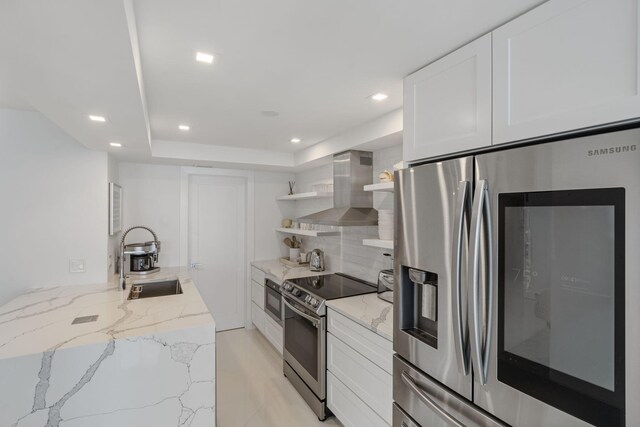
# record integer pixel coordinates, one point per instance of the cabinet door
(273, 332)
(374, 347)
(257, 294)
(447, 104)
(367, 380)
(348, 408)
(566, 65)
(257, 317)
(257, 275)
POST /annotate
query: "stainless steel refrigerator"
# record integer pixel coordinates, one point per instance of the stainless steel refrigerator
(518, 287)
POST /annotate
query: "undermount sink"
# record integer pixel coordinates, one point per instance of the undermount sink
(155, 289)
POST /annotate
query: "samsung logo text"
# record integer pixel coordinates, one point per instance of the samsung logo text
(611, 150)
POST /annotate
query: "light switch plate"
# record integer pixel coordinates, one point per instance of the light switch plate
(77, 265)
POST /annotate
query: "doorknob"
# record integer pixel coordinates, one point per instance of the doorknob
(195, 265)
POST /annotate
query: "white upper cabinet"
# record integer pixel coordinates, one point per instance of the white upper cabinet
(566, 65)
(447, 104)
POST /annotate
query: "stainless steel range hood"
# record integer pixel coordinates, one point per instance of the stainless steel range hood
(352, 206)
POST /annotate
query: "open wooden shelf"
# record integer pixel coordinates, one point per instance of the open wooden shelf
(377, 243)
(382, 186)
(309, 195)
(311, 233)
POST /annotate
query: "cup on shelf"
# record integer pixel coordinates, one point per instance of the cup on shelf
(286, 223)
(294, 254)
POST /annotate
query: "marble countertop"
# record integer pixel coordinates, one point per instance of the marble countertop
(282, 272)
(40, 320)
(369, 311)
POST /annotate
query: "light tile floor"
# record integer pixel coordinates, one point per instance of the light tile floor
(252, 390)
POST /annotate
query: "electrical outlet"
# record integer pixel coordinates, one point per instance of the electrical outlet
(77, 265)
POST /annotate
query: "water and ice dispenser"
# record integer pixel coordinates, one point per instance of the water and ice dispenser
(419, 290)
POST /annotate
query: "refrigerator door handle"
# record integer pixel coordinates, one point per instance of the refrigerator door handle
(460, 327)
(481, 215)
(427, 400)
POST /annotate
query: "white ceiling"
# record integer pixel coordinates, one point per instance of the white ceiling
(315, 62)
(71, 58)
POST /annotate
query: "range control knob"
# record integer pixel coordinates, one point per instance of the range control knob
(287, 286)
(313, 302)
(307, 299)
(296, 292)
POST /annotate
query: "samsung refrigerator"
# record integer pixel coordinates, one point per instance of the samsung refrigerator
(518, 287)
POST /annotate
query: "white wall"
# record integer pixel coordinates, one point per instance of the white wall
(270, 213)
(113, 244)
(151, 197)
(54, 194)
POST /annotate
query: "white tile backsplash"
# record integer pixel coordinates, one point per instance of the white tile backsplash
(345, 253)
(362, 261)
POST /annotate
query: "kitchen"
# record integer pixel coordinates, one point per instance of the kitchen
(363, 214)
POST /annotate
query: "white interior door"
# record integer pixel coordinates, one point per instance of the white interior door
(217, 240)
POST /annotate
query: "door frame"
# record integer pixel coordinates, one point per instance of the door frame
(248, 176)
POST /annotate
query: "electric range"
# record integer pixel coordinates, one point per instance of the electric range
(305, 331)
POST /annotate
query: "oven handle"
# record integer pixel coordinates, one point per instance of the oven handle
(315, 322)
(460, 328)
(481, 210)
(429, 401)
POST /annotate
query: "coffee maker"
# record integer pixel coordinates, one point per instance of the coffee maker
(142, 257)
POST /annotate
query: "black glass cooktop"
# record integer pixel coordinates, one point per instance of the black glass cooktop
(332, 286)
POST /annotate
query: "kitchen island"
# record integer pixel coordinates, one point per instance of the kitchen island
(140, 362)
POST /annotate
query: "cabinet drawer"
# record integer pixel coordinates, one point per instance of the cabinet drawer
(368, 381)
(257, 317)
(366, 342)
(348, 408)
(257, 275)
(273, 332)
(257, 294)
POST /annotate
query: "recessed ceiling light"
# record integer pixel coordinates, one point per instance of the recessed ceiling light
(295, 140)
(270, 113)
(204, 57)
(379, 96)
(97, 118)
(184, 127)
(115, 144)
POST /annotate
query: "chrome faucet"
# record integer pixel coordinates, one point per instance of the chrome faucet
(156, 243)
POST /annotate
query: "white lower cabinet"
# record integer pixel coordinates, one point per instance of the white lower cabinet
(257, 317)
(273, 332)
(376, 348)
(348, 408)
(359, 380)
(257, 294)
(257, 275)
(367, 380)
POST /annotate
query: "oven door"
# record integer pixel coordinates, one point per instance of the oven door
(304, 345)
(563, 341)
(273, 301)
